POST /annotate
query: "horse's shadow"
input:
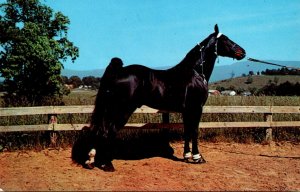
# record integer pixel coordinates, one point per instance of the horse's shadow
(143, 146)
(134, 145)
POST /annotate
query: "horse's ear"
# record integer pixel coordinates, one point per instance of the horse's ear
(216, 29)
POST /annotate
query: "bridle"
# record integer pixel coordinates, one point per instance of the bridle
(201, 61)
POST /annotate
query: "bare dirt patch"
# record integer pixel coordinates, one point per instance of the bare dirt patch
(230, 166)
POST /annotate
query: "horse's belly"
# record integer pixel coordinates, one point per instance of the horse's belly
(167, 101)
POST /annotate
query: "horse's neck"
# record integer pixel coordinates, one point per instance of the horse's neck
(193, 60)
(189, 61)
(208, 64)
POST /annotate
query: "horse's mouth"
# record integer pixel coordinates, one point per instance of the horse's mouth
(240, 54)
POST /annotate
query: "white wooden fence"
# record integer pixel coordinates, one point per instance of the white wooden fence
(53, 111)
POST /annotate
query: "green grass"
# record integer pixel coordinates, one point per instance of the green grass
(80, 98)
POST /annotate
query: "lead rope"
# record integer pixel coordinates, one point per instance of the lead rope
(269, 63)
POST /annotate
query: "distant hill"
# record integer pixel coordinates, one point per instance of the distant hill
(258, 81)
(81, 74)
(220, 72)
(243, 67)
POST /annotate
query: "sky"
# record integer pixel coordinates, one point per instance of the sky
(159, 33)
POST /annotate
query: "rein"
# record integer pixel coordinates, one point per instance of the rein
(265, 62)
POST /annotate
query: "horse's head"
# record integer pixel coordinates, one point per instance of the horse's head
(226, 47)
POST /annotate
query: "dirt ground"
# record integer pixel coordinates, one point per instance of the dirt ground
(230, 166)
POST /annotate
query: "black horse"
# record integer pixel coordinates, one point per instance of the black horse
(183, 88)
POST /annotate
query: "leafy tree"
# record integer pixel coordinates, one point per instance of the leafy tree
(220, 88)
(91, 81)
(249, 80)
(75, 80)
(64, 79)
(34, 44)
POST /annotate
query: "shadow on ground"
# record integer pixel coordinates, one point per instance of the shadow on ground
(127, 146)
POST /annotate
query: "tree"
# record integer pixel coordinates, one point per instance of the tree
(249, 80)
(34, 44)
(64, 79)
(91, 81)
(75, 81)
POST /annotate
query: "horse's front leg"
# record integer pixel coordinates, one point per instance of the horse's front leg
(187, 154)
(191, 121)
(187, 121)
(197, 157)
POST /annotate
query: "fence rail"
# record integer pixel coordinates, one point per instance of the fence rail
(53, 111)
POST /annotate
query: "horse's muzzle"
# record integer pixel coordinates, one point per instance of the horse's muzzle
(240, 54)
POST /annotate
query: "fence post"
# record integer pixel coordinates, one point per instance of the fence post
(52, 119)
(268, 118)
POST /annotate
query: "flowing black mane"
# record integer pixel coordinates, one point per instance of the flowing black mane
(182, 88)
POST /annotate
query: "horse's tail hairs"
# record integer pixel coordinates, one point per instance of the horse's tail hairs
(112, 69)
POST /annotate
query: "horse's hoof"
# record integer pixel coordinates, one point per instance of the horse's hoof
(89, 166)
(107, 167)
(187, 156)
(198, 159)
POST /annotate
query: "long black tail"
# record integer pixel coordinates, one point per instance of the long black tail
(105, 96)
(112, 69)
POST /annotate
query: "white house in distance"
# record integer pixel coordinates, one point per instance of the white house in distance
(229, 93)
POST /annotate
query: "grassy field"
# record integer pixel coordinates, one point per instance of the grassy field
(258, 81)
(41, 139)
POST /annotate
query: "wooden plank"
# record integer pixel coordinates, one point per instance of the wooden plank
(145, 109)
(18, 128)
(16, 111)
(69, 127)
(285, 124)
(285, 109)
(236, 109)
(203, 125)
(73, 109)
(206, 125)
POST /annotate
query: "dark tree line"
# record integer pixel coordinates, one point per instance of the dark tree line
(284, 89)
(91, 81)
(282, 71)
